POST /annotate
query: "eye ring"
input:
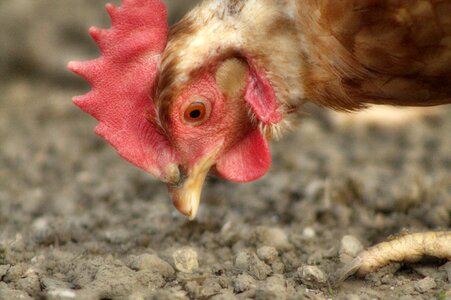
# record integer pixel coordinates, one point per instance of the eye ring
(197, 112)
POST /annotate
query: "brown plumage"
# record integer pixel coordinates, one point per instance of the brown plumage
(377, 51)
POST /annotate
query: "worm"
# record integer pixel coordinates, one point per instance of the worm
(410, 247)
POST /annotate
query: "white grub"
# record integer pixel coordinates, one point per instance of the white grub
(405, 248)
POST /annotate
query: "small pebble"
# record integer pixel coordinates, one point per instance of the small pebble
(210, 287)
(2, 254)
(278, 267)
(4, 269)
(272, 288)
(185, 260)
(15, 272)
(117, 236)
(314, 189)
(429, 271)
(311, 274)
(150, 278)
(267, 253)
(249, 262)
(85, 294)
(193, 289)
(309, 232)
(171, 294)
(57, 290)
(407, 297)
(50, 284)
(224, 295)
(447, 268)
(425, 285)
(114, 280)
(42, 232)
(352, 297)
(61, 294)
(350, 248)
(383, 275)
(151, 262)
(29, 283)
(274, 237)
(48, 231)
(244, 282)
(7, 293)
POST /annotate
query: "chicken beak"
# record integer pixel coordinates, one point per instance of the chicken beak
(186, 195)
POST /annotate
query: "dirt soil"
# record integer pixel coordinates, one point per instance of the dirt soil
(78, 222)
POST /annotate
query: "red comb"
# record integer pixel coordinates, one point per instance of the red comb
(122, 79)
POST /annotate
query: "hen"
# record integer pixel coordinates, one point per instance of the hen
(212, 91)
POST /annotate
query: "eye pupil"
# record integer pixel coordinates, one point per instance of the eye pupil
(195, 114)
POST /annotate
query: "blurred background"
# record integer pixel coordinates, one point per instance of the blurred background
(38, 38)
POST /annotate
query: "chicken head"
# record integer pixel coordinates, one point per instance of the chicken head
(177, 127)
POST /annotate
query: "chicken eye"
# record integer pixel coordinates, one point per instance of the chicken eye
(196, 113)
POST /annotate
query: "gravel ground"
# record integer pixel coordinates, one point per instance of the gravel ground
(78, 222)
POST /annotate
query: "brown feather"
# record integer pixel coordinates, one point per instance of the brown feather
(377, 51)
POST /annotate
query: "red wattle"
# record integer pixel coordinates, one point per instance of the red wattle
(248, 160)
